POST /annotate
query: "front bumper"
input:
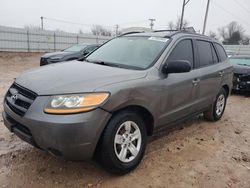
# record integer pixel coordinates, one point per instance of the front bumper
(73, 137)
(241, 82)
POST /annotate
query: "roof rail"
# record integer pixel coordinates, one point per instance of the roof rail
(188, 29)
(162, 30)
(131, 32)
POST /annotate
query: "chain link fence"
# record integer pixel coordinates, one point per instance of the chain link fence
(23, 40)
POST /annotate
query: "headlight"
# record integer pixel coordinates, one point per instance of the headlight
(68, 104)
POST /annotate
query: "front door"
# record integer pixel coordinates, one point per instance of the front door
(179, 89)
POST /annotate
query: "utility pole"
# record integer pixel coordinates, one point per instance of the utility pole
(42, 22)
(151, 23)
(205, 20)
(182, 12)
(116, 29)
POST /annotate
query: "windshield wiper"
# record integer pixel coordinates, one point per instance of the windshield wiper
(243, 64)
(99, 62)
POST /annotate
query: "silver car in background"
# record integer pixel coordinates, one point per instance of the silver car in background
(74, 52)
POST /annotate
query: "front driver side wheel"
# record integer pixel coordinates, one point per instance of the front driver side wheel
(123, 143)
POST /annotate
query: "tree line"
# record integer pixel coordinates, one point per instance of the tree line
(230, 34)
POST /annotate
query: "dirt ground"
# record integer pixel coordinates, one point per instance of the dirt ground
(196, 154)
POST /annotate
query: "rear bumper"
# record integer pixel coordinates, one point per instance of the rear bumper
(73, 137)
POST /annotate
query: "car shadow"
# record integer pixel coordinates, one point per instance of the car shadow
(241, 93)
(178, 126)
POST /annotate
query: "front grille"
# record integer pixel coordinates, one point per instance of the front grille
(19, 99)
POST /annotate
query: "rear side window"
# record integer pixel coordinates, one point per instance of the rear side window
(205, 53)
(221, 51)
(183, 51)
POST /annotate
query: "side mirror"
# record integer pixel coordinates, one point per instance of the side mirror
(176, 66)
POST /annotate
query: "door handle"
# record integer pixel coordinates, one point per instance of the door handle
(195, 81)
(221, 73)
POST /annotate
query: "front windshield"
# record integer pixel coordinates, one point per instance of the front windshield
(75, 48)
(133, 52)
(240, 61)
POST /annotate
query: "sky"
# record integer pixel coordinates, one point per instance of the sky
(126, 13)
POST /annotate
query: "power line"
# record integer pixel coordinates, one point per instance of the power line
(232, 14)
(237, 2)
(69, 22)
(141, 21)
(90, 25)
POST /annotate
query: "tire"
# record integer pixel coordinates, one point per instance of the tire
(110, 150)
(216, 110)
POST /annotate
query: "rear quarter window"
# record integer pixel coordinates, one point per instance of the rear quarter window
(221, 51)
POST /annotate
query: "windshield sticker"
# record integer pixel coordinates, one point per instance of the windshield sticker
(159, 39)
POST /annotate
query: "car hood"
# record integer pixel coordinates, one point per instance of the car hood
(74, 77)
(241, 69)
(54, 54)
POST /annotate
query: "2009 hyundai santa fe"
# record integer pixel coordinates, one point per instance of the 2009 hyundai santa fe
(106, 105)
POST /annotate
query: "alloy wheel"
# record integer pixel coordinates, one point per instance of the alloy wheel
(127, 141)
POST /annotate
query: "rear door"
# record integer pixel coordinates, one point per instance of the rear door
(211, 73)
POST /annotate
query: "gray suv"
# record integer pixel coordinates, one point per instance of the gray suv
(106, 105)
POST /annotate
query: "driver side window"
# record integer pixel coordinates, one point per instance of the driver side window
(183, 51)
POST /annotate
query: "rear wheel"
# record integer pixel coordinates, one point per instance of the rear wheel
(123, 143)
(216, 110)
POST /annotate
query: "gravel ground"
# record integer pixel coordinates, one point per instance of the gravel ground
(195, 154)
